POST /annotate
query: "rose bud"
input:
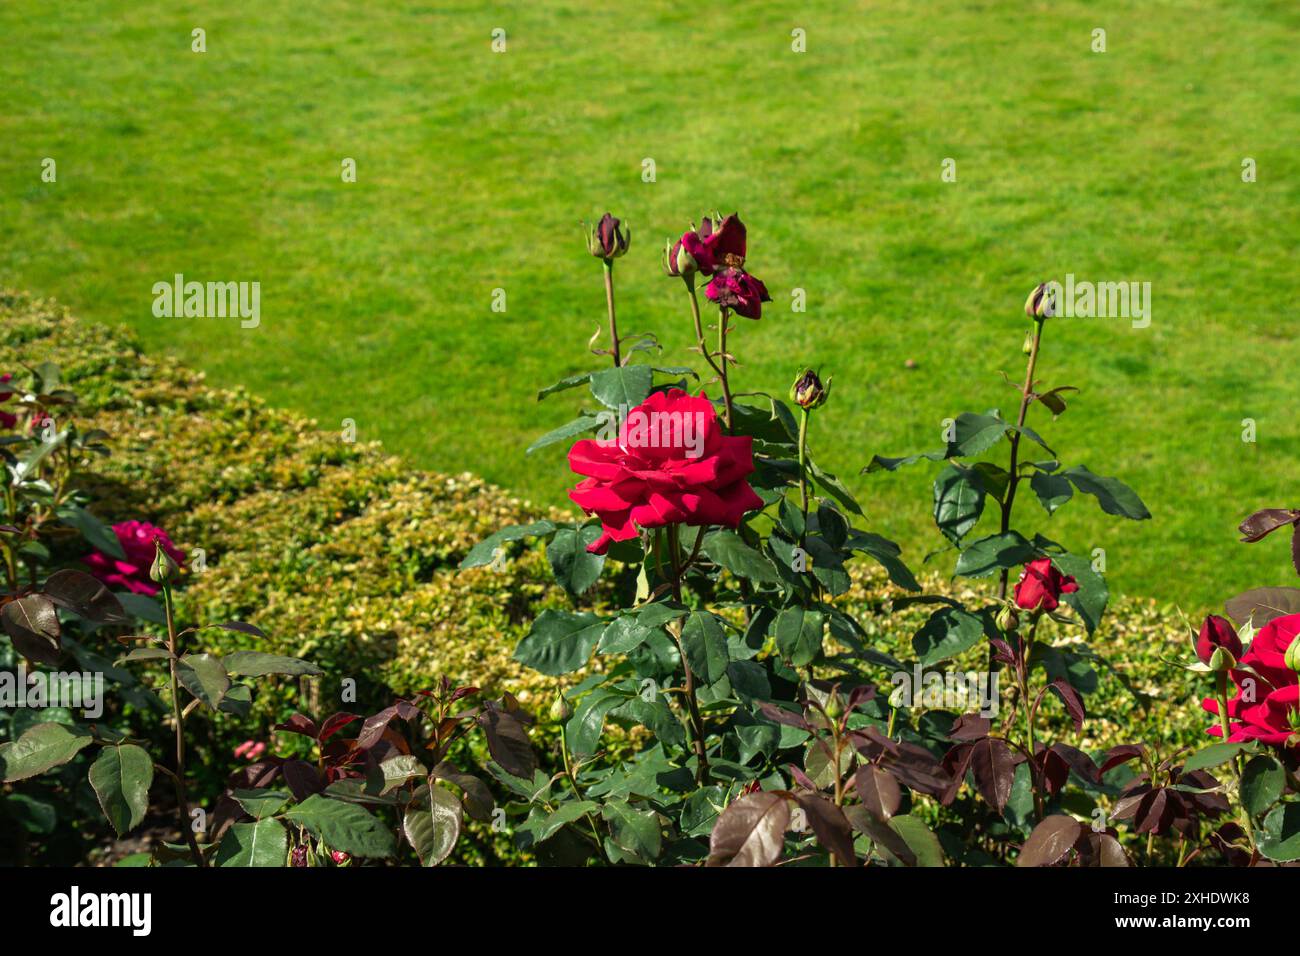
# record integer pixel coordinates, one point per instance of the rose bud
(1041, 303)
(163, 568)
(1041, 586)
(1218, 645)
(298, 856)
(808, 391)
(1292, 656)
(561, 709)
(608, 239)
(1008, 620)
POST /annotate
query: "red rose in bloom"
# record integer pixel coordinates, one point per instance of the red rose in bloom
(1266, 698)
(671, 464)
(1041, 586)
(136, 538)
(738, 291)
(1217, 632)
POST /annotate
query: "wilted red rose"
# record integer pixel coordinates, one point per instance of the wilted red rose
(137, 539)
(706, 249)
(739, 291)
(1041, 586)
(1217, 632)
(670, 464)
(1266, 700)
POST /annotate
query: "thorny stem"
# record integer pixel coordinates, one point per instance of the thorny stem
(179, 777)
(1012, 478)
(573, 781)
(803, 465)
(609, 303)
(722, 357)
(692, 702)
(1221, 689)
(1023, 667)
(721, 372)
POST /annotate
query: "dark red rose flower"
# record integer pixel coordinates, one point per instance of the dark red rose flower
(1041, 586)
(608, 240)
(707, 249)
(670, 464)
(727, 243)
(1265, 705)
(739, 291)
(1217, 632)
(137, 539)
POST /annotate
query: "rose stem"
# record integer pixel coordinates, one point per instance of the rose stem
(692, 703)
(722, 357)
(803, 470)
(1221, 687)
(179, 777)
(1012, 479)
(704, 349)
(609, 302)
(1029, 715)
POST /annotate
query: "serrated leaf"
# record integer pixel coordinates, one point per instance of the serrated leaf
(121, 776)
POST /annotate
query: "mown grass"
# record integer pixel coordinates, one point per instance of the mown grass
(474, 169)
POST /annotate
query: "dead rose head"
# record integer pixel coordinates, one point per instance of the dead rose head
(649, 478)
(707, 248)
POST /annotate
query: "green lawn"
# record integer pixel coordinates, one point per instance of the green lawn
(474, 169)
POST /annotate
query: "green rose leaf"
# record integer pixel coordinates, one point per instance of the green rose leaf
(1115, 497)
(728, 550)
(958, 502)
(799, 634)
(705, 642)
(40, 748)
(625, 387)
(204, 676)
(486, 550)
(433, 830)
(575, 568)
(1262, 783)
(343, 826)
(947, 633)
(997, 551)
(121, 776)
(559, 642)
(261, 803)
(257, 664)
(264, 843)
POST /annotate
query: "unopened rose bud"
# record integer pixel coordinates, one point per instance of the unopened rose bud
(808, 391)
(1041, 303)
(834, 708)
(298, 857)
(339, 857)
(1217, 645)
(561, 709)
(1007, 620)
(608, 239)
(163, 568)
(1028, 347)
(1292, 656)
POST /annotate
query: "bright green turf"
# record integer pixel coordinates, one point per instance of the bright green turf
(475, 168)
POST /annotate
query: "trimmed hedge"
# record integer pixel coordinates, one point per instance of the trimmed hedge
(343, 554)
